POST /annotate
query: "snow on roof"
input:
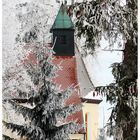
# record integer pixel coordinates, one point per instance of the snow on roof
(90, 95)
(83, 77)
(90, 98)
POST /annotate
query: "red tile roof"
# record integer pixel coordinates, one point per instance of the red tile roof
(66, 77)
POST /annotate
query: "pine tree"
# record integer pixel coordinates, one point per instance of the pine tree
(114, 20)
(43, 104)
(47, 117)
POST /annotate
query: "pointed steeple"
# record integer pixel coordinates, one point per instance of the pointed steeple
(63, 33)
(63, 21)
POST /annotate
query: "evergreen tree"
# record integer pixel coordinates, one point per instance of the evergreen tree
(114, 20)
(47, 117)
(101, 134)
(43, 104)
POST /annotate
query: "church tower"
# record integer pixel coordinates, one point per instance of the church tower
(63, 33)
(74, 73)
(63, 42)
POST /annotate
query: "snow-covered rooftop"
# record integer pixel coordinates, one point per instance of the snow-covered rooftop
(91, 95)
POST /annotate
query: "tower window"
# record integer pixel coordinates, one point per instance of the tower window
(63, 39)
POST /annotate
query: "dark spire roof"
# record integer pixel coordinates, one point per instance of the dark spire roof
(63, 21)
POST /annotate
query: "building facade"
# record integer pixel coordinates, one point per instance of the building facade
(75, 73)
